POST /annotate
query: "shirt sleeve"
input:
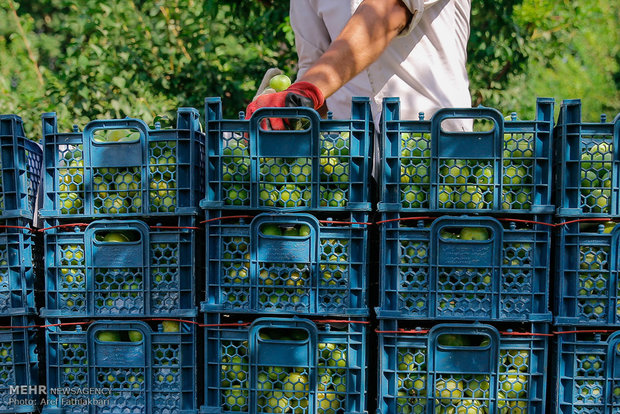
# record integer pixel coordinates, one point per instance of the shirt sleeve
(416, 7)
(311, 36)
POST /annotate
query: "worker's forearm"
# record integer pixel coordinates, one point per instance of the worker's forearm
(364, 38)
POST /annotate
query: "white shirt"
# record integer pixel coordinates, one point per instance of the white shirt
(424, 66)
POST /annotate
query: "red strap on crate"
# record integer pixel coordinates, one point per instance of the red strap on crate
(224, 218)
(524, 333)
(605, 219)
(344, 222)
(405, 331)
(18, 227)
(64, 225)
(405, 219)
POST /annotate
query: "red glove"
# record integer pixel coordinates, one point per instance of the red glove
(298, 94)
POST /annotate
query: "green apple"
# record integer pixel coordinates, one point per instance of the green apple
(109, 336)
(413, 196)
(478, 387)
(301, 171)
(276, 402)
(296, 382)
(236, 398)
(454, 172)
(609, 226)
(340, 173)
(513, 384)
(598, 200)
(171, 326)
(271, 230)
(445, 196)
(304, 230)
(328, 403)
(474, 233)
(327, 166)
(115, 237)
(515, 174)
(469, 407)
(280, 82)
(448, 390)
(135, 336)
(470, 197)
(484, 175)
(289, 196)
(589, 178)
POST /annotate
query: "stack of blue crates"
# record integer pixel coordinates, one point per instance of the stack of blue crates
(465, 241)
(286, 251)
(587, 282)
(20, 176)
(120, 246)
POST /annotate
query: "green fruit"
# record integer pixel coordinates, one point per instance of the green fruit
(609, 226)
(109, 336)
(455, 172)
(236, 399)
(474, 233)
(328, 403)
(296, 382)
(171, 326)
(271, 230)
(304, 230)
(413, 196)
(280, 82)
(484, 175)
(115, 237)
(513, 384)
(445, 196)
(470, 197)
(448, 390)
(135, 336)
(291, 231)
(276, 402)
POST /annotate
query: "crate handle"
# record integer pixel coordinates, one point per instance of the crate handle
(112, 124)
(468, 113)
(117, 254)
(460, 357)
(296, 352)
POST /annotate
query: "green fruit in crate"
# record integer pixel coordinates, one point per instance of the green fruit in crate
(337, 198)
(300, 171)
(598, 200)
(328, 164)
(236, 399)
(609, 226)
(469, 407)
(135, 336)
(478, 387)
(237, 195)
(109, 336)
(171, 326)
(470, 197)
(445, 196)
(296, 382)
(589, 178)
(290, 231)
(271, 230)
(289, 196)
(513, 384)
(484, 175)
(474, 233)
(448, 390)
(304, 230)
(514, 175)
(276, 402)
(413, 196)
(328, 402)
(518, 359)
(268, 195)
(273, 171)
(340, 173)
(454, 171)
(115, 237)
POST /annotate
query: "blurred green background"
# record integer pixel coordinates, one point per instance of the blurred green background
(90, 59)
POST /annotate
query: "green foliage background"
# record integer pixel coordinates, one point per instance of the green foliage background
(87, 59)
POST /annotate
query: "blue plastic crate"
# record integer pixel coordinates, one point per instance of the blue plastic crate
(587, 274)
(134, 366)
(506, 168)
(287, 263)
(586, 377)
(121, 268)
(17, 275)
(20, 169)
(464, 268)
(122, 168)
(588, 164)
(461, 368)
(19, 366)
(323, 166)
(286, 365)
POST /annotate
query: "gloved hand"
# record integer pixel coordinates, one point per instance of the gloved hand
(298, 94)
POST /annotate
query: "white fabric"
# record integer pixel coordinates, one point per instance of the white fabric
(424, 66)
